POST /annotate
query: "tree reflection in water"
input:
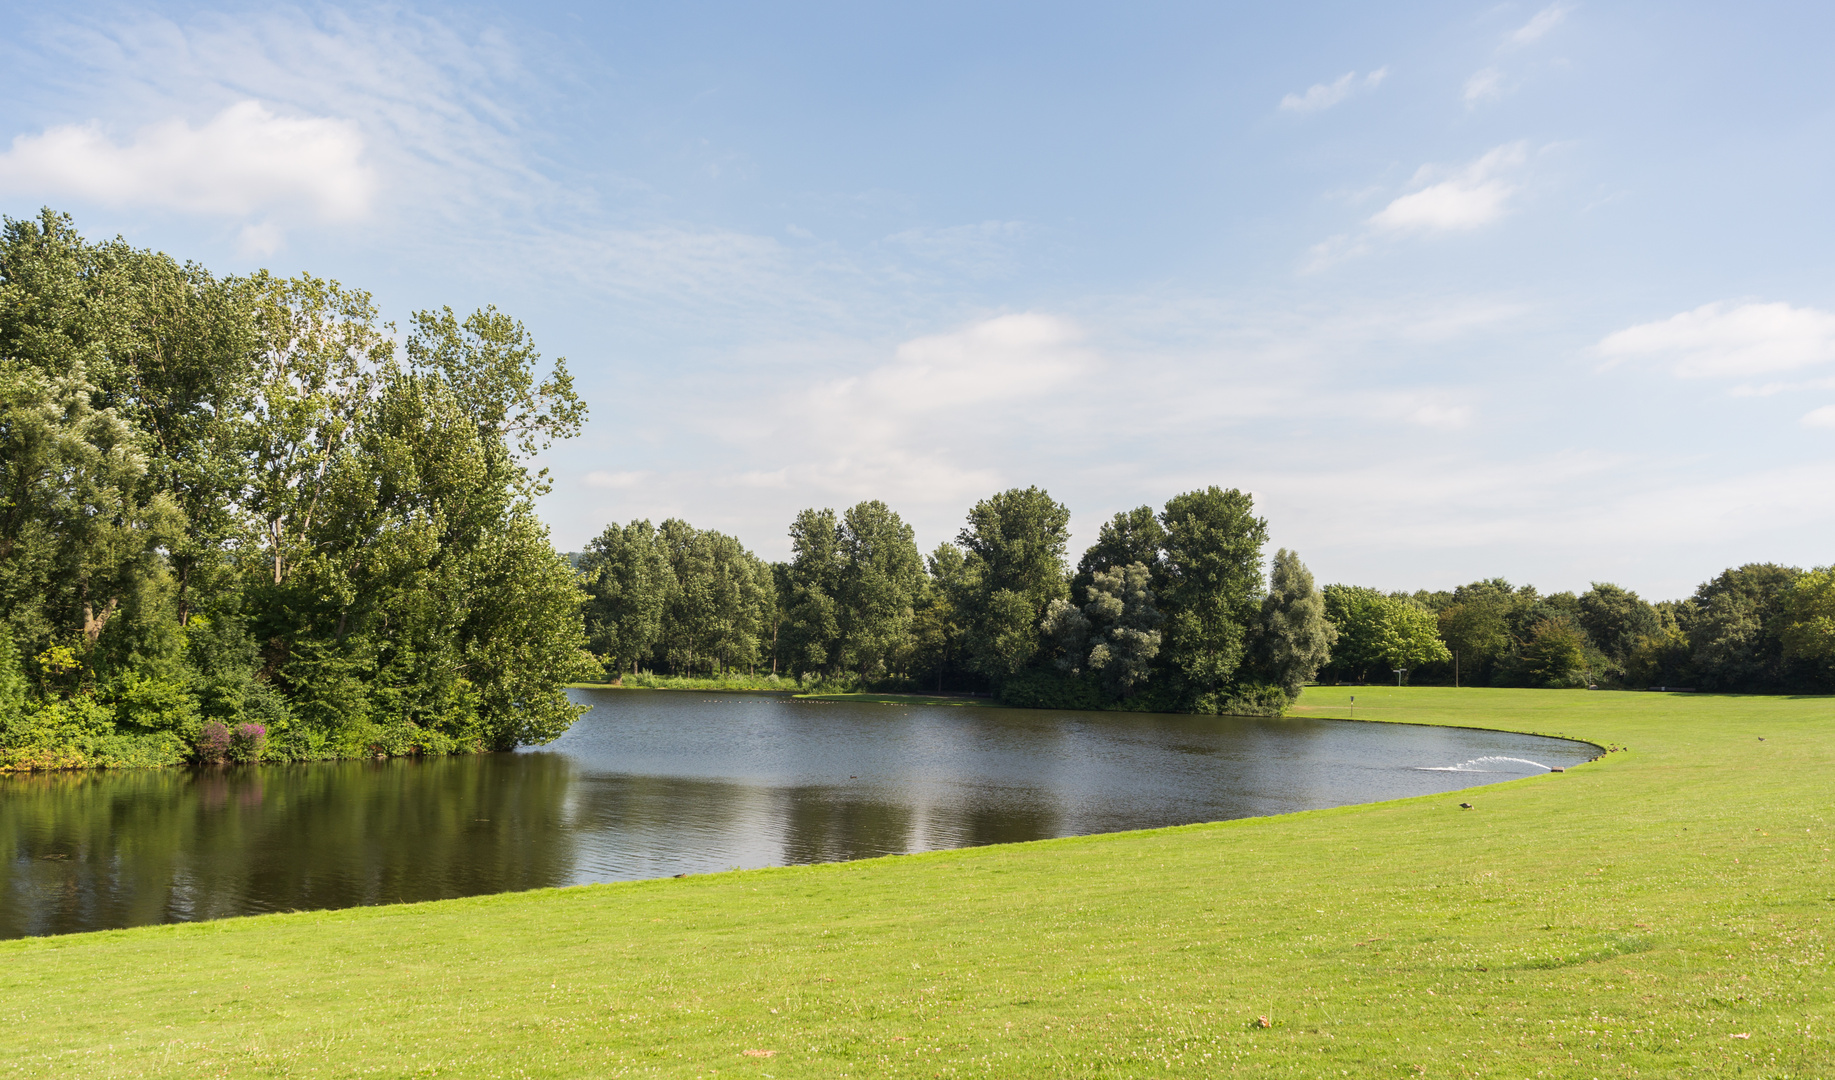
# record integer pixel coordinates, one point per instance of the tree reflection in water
(92, 850)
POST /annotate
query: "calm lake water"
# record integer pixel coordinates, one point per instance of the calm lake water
(651, 784)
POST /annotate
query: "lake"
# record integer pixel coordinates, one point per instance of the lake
(652, 784)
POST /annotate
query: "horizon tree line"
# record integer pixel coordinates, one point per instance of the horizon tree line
(1167, 611)
(1170, 610)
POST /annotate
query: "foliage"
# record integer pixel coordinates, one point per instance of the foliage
(1013, 569)
(1378, 634)
(1125, 628)
(937, 632)
(1213, 590)
(677, 598)
(1408, 636)
(1555, 653)
(1615, 619)
(851, 586)
(1131, 536)
(235, 501)
(626, 579)
(1735, 624)
(1294, 638)
(1809, 617)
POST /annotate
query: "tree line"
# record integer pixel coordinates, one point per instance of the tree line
(1167, 611)
(1757, 628)
(244, 517)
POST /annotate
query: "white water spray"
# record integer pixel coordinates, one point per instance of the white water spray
(1484, 765)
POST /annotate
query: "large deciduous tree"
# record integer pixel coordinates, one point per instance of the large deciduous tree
(1294, 637)
(1014, 546)
(1213, 590)
(628, 579)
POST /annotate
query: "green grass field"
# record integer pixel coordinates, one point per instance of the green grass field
(1662, 912)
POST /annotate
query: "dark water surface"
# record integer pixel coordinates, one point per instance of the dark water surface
(650, 784)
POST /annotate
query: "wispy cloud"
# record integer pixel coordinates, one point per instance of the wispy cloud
(1721, 339)
(1325, 95)
(1821, 418)
(1488, 83)
(1484, 85)
(1473, 196)
(328, 116)
(1538, 26)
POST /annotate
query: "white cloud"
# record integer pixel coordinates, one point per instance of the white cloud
(244, 160)
(430, 102)
(1474, 196)
(1483, 86)
(1718, 339)
(1325, 95)
(1539, 26)
(994, 360)
(1823, 417)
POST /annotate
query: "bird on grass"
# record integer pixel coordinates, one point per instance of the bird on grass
(1465, 806)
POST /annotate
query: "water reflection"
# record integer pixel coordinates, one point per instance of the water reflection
(88, 851)
(653, 784)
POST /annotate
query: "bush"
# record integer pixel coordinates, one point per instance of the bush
(1245, 699)
(248, 743)
(1035, 689)
(214, 742)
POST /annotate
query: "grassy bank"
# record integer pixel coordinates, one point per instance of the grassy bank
(1663, 911)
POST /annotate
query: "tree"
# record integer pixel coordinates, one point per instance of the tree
(1735, 626)
(1809, 616)
(1409, 636)
(1555, 652)
(720, 599)
(1125, 636)
(1356, 615)
(1013, 569)
(1615, 619)
(12, 681)
(1477, 630)
(936, 624)
(1131, 536)
(812, 619)
(1294, 637)
(627, 579)
(1378, 634)
(880, 574)
(1213, 591)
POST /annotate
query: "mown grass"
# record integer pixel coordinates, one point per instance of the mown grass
(1661, 912)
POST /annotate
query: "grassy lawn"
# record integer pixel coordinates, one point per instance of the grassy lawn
(1664, 911)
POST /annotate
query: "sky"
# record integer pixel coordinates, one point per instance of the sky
(1456, 290)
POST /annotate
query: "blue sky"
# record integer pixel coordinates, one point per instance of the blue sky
(1458, 291)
